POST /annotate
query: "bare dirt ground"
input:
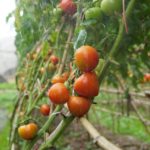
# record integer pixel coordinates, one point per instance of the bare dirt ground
(78, 139)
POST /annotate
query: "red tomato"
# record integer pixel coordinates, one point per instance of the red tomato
(54, 60)
(147, 77)
(58, 93)
(78, 106)
(28, 131)
(87, 85)
(68, 6)
(86, 58)
(45, 109)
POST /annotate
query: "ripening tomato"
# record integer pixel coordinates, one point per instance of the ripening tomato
(86, 58)
(78, 106)
(68, 6)
(45, 109)
(147, 77)
(58, 93)
(87, 85)
(28, 131)
(54, 60)
(93, 13)
(58, 79)
(109, 7)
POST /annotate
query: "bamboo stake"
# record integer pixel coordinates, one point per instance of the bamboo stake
(98, 138)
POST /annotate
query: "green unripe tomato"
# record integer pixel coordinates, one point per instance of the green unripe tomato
(109, 7)
(93, 13)
(57, 12)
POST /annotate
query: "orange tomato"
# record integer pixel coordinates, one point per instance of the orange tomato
(86, 58)
(28, 131)
(58, 93)
(87, 85)
(78, 106)
(45, 109)
(147, 77)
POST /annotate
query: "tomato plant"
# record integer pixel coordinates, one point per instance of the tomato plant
(86, 58)
(78, 106)
(45, 109)
(87, 85)
(58, 93)
(62, 34)
(28, 131)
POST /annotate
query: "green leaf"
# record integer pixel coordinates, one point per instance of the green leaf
(81, 39)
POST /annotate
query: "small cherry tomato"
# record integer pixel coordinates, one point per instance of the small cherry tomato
(45, 109)
(93, 13)
(58, 93)
(68, 6)
(109, 7)
(87, 85)
(54, 60)
(147, 77)
(78, 106)
(86, 58)
(28, 131)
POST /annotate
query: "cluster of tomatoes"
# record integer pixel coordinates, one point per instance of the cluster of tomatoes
(29, 130)
(85, 87)
(108, 7)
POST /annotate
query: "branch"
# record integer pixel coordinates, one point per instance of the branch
(57, 132)
(117, 42)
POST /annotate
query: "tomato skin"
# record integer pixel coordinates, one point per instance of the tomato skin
(58, 93)
(109, 7)
(54, 60)
(78, 106)
(68, 6)
(28, 131)
(45, 109)
(86, 58)
(87, 85)
(93, 13)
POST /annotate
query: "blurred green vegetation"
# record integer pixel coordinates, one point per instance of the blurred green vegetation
(7, 100)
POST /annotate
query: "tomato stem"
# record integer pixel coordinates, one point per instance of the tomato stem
(116, 45)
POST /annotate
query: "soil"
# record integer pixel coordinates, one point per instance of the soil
(78, 139)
